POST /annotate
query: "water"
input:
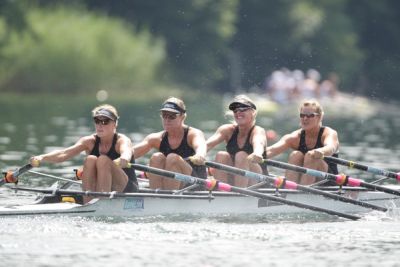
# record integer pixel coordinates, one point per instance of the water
(57, 241)
(256, 240)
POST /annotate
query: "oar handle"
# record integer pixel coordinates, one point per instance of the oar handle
(359, 166)
(279, 182)
(12, 176)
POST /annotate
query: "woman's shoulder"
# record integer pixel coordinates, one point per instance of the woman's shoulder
(293, 136)
(329, 131)
(88, 138)
(259, 128)
(155, 136)
(229, 127)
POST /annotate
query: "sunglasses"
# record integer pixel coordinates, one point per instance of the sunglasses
(308, 115)
(102, 122)
(169, 116)
(242, 109)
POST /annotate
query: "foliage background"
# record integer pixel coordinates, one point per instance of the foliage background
(148, 46)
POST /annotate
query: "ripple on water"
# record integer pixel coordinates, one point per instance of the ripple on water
(197, 242)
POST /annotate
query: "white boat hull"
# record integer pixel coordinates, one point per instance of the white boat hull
(149, 204)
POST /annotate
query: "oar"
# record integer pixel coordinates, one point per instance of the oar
(114, 194)
(282, 182)
(340, 179)
(12, 176)
(214, 184)
(359, 166)
(56, 177)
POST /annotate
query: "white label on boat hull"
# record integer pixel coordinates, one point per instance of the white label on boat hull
(134, 204)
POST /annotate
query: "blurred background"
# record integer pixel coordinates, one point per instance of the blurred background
(147, 46)
(60, 58)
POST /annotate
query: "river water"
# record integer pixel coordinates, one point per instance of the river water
(256, 240)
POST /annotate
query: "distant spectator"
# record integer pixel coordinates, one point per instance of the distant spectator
(329, 87)
(285, 86)
(309, 87)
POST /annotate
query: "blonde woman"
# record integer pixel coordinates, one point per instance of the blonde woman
(310, 144)
(245, 142)
(175, 144)
(100, 173)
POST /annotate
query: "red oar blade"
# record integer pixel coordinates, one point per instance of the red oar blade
(12, 176)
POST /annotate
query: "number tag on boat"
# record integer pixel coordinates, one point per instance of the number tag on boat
(134, 204)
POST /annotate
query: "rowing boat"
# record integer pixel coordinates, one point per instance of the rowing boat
(149, 202)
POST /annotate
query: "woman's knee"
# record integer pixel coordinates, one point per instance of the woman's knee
(241, 156)
(172, 157)
(90, 161)
(222, 157)
(157, 158)
(296, 157)
(103, 161)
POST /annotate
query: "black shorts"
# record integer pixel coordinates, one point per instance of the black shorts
(131, 187)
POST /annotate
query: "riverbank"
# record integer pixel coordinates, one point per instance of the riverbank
(343, 105)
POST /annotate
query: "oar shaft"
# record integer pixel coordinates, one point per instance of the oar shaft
(226, 187)
(363, 167)
(289, 184)
(299, 169)
(379, 188)
(292, 203)
(55, 177)
(332, 177)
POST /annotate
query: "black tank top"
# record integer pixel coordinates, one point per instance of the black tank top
(232, 147)
(183, 150)
(332, 167)
(113, 154)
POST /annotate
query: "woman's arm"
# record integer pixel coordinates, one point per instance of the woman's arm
(219, 136)
(149, 142)
(64, 154)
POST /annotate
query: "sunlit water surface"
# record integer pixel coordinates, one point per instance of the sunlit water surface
(194, 241)
(256, 240)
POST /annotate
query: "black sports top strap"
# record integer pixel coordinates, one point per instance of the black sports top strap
(112, 153)
(232, 146)
(183, 150)
(302, 145)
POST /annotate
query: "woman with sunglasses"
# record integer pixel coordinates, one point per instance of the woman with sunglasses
(176, 144)
(100, 173)
(245, 142)
(310, 144)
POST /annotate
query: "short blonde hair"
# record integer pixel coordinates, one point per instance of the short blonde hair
(312, 103)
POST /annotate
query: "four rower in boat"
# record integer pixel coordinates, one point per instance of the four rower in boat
(245, 142)
(175, 144)
(310, 144)
(100, 173)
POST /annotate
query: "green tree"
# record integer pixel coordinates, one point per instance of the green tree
(197, 33)
(377, 24)
(73, 50)
(298, 35)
